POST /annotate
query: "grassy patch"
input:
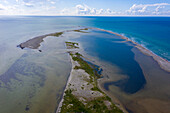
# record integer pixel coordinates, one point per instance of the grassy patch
(80, 30)
(71, 104)
(71, 45)
(98, 106)
(57, 34)
(101, 104)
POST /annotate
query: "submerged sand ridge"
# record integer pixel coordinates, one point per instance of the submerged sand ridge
(34, 43)
(164, 64)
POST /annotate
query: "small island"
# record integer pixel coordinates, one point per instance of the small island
(71, 45)
(34, 43)
(82, 93)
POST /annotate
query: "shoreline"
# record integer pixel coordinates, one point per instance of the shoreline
(34, 43)
(114, 99)
(85, 90)
(163, 63)
(66, 87)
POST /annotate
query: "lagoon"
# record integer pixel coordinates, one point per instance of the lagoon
(31, 81)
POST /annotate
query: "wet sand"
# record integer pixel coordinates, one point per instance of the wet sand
(82, 89)
(35, 42)
(153, 97)
(144, 100)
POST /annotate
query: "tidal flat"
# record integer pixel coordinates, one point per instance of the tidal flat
(82, 93)
(132, 79)
(34, 83)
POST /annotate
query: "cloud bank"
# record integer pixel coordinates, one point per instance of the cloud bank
(150, 9)
(51, 7)
(2, 7)
(86, 10)
(141, 9)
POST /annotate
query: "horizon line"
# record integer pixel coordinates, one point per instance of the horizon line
(97, 15)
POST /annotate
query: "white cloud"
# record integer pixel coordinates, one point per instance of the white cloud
(29, 5)
(2, 7)
(46, 7)
(86, 10)
(136, 9)
(52, 2)
(149, 9)
(5, 1)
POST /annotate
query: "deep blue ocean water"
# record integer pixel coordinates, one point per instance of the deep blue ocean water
(105, 47)
(151, 32)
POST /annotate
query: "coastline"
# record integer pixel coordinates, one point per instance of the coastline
(66, 87)
(163, 63)
(34, 43)
(114, 99)
(101, 81)
(85, 90)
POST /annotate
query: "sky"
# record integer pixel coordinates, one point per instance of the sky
(86, 7)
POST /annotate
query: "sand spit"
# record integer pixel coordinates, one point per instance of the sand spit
(82, 87)
(34, 43)
(164, 64)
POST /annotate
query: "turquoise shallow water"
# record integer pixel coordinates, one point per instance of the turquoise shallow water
(105, 46)
(151, 32)
(28, 77)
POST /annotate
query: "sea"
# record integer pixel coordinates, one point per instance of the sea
(32, 81)
(150, 32)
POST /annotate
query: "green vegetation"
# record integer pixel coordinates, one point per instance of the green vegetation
(71, 45)
(82, 87)
(95, 89)
(98, 106)
(72, 104)
(85, 66)
(80, 30)
(57, 34)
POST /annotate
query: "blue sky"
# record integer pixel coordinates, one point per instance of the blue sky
(85, 7)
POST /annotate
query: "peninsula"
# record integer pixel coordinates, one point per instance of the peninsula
(82, 93)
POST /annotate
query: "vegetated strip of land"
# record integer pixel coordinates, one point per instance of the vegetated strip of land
(71, 45)
(34, 43)
(82, 93)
